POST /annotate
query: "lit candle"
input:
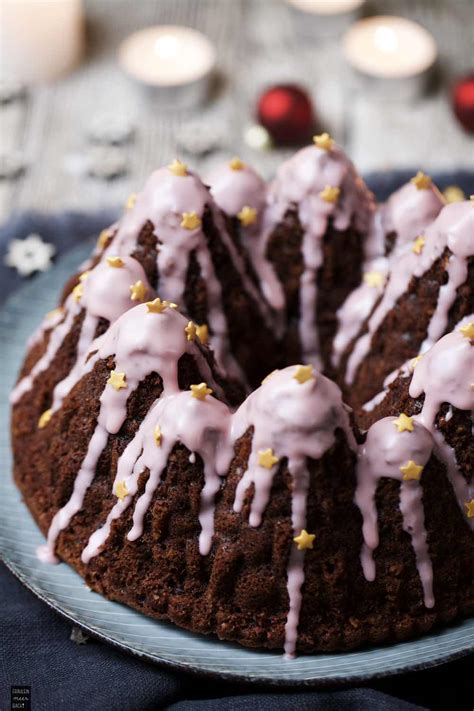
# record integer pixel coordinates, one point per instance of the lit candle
(390, 48)
(39, 39)
(316, 17)
(175, 61)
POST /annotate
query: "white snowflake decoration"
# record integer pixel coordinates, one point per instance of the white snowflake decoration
(29, 255)
(78, 636)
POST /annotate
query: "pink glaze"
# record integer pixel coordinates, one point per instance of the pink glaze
(297, 421)
(57, 335)
(202, 426)
(106, 294)
(409, 211)
(357, 308)
(232, 190)
(141, 343)
(298, 183)
(163, 201)
(384, 452)
(453, 229)
(445, 375)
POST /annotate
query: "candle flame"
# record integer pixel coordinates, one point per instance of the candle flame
(385, 39)
(166, 47)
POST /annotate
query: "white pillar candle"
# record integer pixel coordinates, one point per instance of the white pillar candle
(39, 39)
(175, 61)
(389, 47)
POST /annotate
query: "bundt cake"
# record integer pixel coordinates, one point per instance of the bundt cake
(284, 518)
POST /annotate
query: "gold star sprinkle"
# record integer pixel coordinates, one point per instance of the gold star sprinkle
(330, 194)
(323, 141)
(45, 418)
(421, 181)
(103, 239)
(157, 435)
(84, 276)
(121, 490)
(267, 459)
(200, 391)
(131, 201)
(190, 221)
(411, 471)
(157, 306)
(374, 279)
(55, 312)
(468, 330)
(202, 332)
(77, 292)
(190, 331)
(470, 508)
(304, 540)
(418, 244)
(247, 215)
(403, 423)
(236, 163)
(138, 291)
(116, 262)
(178, 168)
(414, 361)
(117, 380)
(453, 194)
(304, 373)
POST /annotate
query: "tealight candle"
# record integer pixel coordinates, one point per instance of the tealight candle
(390, 48)
(176, 61)
(40, 39)
(327, 17)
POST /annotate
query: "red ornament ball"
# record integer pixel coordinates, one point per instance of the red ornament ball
(463, 102)
(286, 111)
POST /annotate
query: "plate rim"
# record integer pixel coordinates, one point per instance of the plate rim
(319, 682)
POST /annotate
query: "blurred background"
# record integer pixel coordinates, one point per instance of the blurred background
(86, 113)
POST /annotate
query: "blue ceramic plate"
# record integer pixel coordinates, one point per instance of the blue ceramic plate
(65, 591)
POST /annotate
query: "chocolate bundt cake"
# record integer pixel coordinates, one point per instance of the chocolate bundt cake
(284, 518)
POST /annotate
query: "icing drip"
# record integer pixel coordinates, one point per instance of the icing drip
(409, 211)
(300, 182)
(233, 190)
(141, 343)
(357, 307)
(106, 294)
(445, 375)
(453, 229)
(295, 421)
(385, 451)
(202, 426)
(165, 200)
(57, 335)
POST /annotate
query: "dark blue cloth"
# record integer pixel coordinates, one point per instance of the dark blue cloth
(35, 645)
(36, 651)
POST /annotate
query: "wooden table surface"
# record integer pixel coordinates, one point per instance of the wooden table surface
(257, 43)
